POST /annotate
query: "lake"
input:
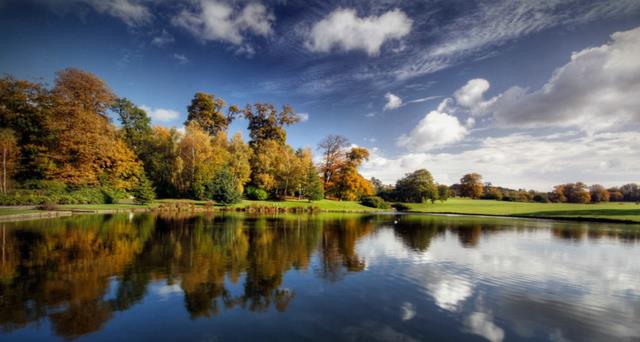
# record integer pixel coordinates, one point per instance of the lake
(338, 277)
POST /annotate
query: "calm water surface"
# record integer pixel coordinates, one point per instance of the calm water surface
(320, 277)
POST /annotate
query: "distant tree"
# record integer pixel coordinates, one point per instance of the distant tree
(333, 156)
(615, 195)
(558, 194)
(314, 189)
(443, 192)
(540, 197)
(239, 162)
(9, 153)
(207, 111)
(224, 188)
(144, 192)
(631, 192)
(577, 193)
(348, 183)
(377, 184)
(417, 187)
(471, 185)
(135, 126)
(599, 193)
(266, 123)
(492, 192)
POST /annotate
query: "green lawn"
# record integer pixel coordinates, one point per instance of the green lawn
(328, 205)
(4, 212)
(611, 211)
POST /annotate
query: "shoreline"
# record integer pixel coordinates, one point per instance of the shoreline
(47, 214)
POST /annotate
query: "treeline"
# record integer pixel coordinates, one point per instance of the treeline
(471, 185)
(59, 145)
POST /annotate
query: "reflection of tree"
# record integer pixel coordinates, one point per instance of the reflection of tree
(416, 234)
(338, 246)
(63, 268)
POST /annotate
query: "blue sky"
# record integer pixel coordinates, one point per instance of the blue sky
(527, 93)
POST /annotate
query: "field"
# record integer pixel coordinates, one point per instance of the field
(608, 211)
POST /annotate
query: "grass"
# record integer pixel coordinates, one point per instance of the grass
(609, 211)
(9, 211)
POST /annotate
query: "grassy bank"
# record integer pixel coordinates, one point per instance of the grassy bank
(629, 212)
(624, 212)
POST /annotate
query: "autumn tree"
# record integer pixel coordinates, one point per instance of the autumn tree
(571, 192)
(598, 193)
(348, 184)
(471, 185)
(9, 153)
(162, 163)
(208, 111)
(333, 156)
(416, 187)
(86, 145)
(239, 162)
(267, 123)
(615, 195)
(25, 107)
(199, 158)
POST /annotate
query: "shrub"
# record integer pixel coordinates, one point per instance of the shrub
(374, 202)
(224, 188)
(256, 194)
(48, 206)
(144, 193)
(112, 195)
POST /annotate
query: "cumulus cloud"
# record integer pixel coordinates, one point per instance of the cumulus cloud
(471, 96)
(216, 21)
(393, 102)
(161, 114)
(597, 90)
(524, 160)
(436, 129)
(343, 29)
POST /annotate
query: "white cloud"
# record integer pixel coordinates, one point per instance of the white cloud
(525, 160)
(436, 129)
(343, 29)
(481, 323)
(393, 102)
(370, 114)
(408, 311)
(597, 90)
(471, 96)
(163, 39)
(490, 24)
(161, 114)
(131, 12)
(182, 59)
(217, 21)
(304, 117)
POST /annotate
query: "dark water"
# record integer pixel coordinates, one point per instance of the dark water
(321, 277)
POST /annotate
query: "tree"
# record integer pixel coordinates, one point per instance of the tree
(9, 153)
(443, 192)
(615, 195)
(471, 185)
(25, 107)
(239, 162)
(417, 187)
(162, 163)
(348, 184)
(207, 111)
(570, 192)
(224, 188)
(314, 189)
(631, 192)
(599, 193)
(199, 158)
(86, 146)
(267, 124)
(333, 153)
(135, 126)
(144, 192)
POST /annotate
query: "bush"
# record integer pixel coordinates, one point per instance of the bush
(224, 188)
(112, 195)
(374, 202)
(48, 206)
(144, 193)
(256, 194)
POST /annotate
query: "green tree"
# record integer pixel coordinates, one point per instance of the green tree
(224, 188)
(207, 111)
(314, 189)
(135, 126)
(266, 123)
(417, 187)
(471, 185)
(144, 193)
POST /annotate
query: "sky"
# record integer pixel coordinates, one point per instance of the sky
(527, 93)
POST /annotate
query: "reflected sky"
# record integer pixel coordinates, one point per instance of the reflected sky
(318, 277)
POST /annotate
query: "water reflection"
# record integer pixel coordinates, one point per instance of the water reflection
(77, 273)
